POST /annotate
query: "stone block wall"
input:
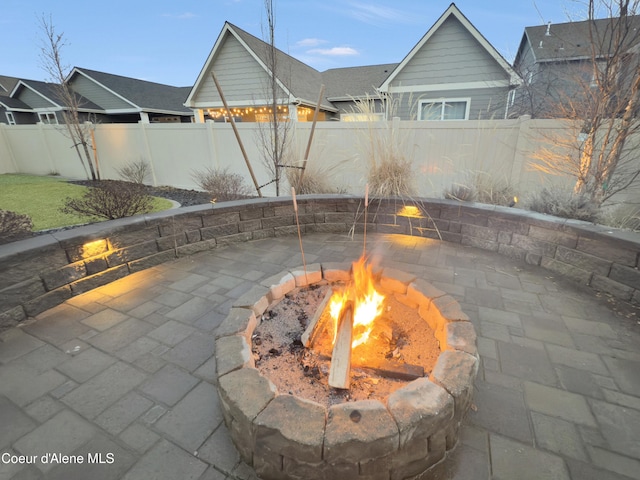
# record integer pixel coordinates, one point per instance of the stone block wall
(286, 437)
(41, 272)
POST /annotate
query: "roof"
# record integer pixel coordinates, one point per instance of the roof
(354, 82)
(14, 104)
(7, 84)
(147, 96)
(304, 81)
(572, 40)
(453, 10)
(50, 92)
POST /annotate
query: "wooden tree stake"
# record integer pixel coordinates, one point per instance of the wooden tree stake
(237, 134)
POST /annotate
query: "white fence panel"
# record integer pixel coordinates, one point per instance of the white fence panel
(442, 153)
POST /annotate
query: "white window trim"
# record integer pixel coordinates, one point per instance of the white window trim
(443, 101)
(45, 118)
(10, 118)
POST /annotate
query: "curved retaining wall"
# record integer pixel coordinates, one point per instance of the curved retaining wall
(44, 271)
(286, 437)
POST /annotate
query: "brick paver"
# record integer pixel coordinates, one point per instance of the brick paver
(123, 377)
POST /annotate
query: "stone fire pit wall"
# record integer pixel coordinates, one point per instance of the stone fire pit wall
(287, 437)
(44, 271)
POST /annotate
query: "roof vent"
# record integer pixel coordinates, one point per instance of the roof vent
(548, 32)
(540, 45)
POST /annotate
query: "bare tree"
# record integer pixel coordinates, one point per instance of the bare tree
(52, 63)
(603, 106)
(274, 135)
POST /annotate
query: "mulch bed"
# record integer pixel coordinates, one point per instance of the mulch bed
(185, 198)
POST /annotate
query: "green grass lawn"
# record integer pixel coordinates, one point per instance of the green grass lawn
(42, 197)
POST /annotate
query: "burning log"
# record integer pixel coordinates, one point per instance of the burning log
(309, 335)
(340, 371)
(392, 369)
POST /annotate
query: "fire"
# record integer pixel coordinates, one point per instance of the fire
(367, 300)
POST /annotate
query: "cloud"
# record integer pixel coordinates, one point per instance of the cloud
(334, 52)
(377, 14)
(310, 42)
(180, 16)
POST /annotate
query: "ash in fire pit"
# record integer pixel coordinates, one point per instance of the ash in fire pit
(398, 431)
(400, 345)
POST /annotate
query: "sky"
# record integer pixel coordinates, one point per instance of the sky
(168, 41)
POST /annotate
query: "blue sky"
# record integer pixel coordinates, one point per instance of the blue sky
(168, 41)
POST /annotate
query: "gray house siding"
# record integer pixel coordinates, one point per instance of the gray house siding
(34, 100)
(97, 94)
(241, 77)
(451, 64)
(451, 55)
(485, 103)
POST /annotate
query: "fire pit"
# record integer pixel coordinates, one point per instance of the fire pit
(398, 432)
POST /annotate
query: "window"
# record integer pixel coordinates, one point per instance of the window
(10, 118)
(446, 109)
(48, 118)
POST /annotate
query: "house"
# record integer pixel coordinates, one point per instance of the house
(556, 62)
(32, 101)
(452, 73)
(129, 100)
(103, 98)
(241, 62)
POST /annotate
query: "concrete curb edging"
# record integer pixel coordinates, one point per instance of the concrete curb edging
(286, 437)
(44, 271)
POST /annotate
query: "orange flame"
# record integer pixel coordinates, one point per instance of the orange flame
(367, 300)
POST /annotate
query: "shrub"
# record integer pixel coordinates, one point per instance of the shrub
(14, 225)
(484, 188)
(462, 193)
(563, 203)
(391, 176)
(135, 172)
(626, 217)
(315, 180)
(222, 184)
(111, 199)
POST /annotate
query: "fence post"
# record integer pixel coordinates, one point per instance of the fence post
(520, 153)
(215, 163)
(47, 148)
(147, 150)
(5, 139)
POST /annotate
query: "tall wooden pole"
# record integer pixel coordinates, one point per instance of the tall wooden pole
(237, 134)
(313, 129)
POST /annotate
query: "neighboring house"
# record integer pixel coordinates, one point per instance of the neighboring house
(129, 100)
(453, 73)
(556, 62)
(240, 62)
(33, 101)
(104, 98)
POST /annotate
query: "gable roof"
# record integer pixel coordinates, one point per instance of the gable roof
(454, 11)
(140, 94)
(570, 40)
(49, 92)
(14, 104)
(7, 84)
(299, 80)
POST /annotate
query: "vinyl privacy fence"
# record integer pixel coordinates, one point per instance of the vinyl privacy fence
(442, 153)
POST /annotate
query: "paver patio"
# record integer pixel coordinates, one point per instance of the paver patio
(128, 371)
